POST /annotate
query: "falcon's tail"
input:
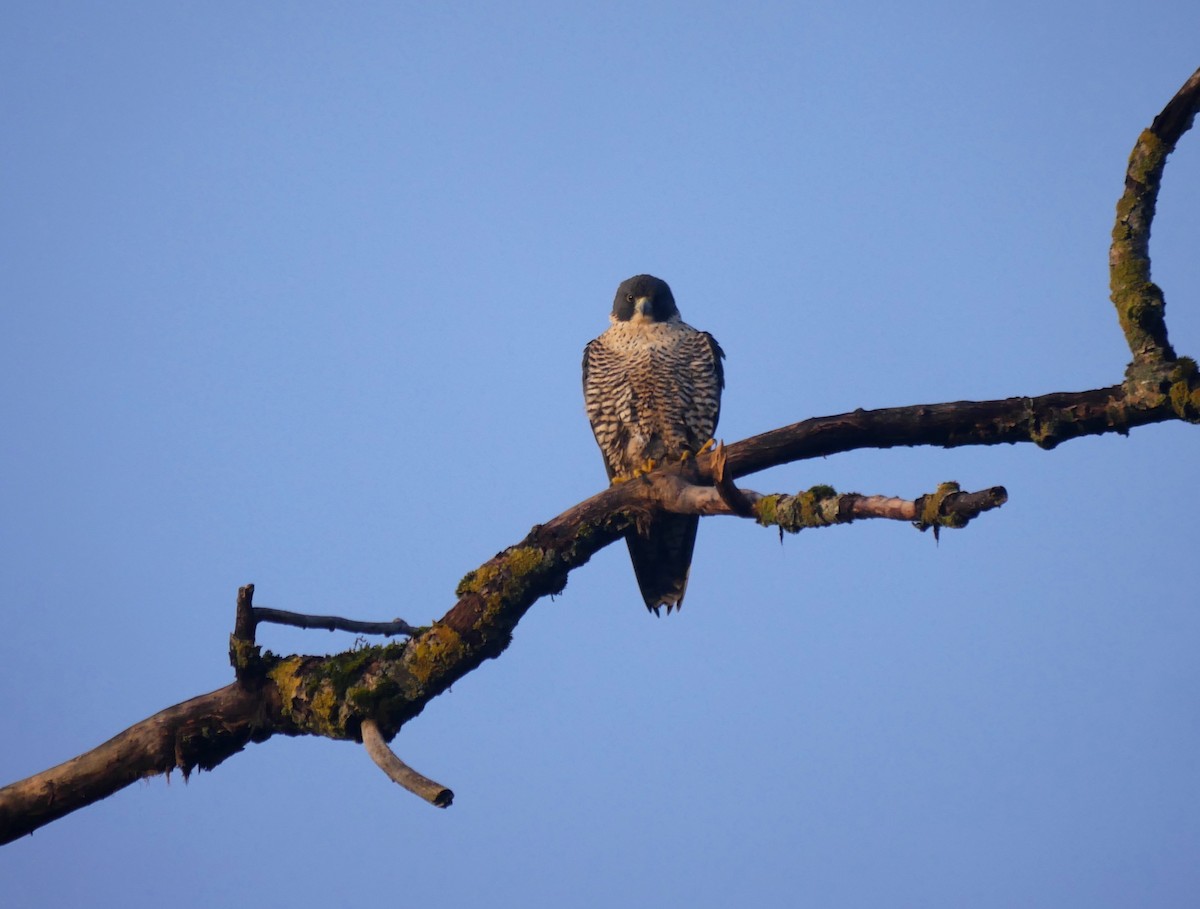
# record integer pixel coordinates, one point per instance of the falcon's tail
(662, 557)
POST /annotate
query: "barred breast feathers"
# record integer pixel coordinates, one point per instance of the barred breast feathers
(651, 391)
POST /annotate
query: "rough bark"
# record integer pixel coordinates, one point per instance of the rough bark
(197, 734)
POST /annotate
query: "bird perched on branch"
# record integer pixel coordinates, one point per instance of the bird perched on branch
(652, 387)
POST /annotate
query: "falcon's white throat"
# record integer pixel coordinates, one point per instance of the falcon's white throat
(643, 311)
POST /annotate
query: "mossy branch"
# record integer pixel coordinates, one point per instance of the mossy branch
(1139, 301)
(822, 506)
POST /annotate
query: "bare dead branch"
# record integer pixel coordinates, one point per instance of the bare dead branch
(197, 734)
(244, 655)
(332, 622)
(738, 503)
(1046, 421)
(249, 617)
(399, 772)
(245, 622)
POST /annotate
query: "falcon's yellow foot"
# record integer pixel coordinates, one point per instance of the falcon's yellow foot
(707, 446)
(644, 468)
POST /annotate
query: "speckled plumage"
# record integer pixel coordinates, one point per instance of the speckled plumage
(652, 387)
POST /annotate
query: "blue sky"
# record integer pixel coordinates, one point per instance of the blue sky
(297, 296)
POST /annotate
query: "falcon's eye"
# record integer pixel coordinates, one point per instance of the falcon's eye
(628, 298)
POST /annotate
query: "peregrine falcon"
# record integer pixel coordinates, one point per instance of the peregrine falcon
(652, 386)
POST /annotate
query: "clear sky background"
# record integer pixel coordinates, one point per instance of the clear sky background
(296, 295)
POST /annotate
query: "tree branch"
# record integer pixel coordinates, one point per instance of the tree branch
(1046, 421)
(399, 772)
(197, 734)
(823, 506)
(333, 622)
(1139, 302)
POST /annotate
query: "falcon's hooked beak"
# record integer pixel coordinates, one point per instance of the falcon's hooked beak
(643, 310)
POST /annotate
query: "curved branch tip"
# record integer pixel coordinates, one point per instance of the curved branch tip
(399, 772)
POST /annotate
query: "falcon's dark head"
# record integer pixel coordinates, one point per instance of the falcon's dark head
(644, 298)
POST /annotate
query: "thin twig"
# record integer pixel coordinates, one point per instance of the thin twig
(399, 772)
(332, 622)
